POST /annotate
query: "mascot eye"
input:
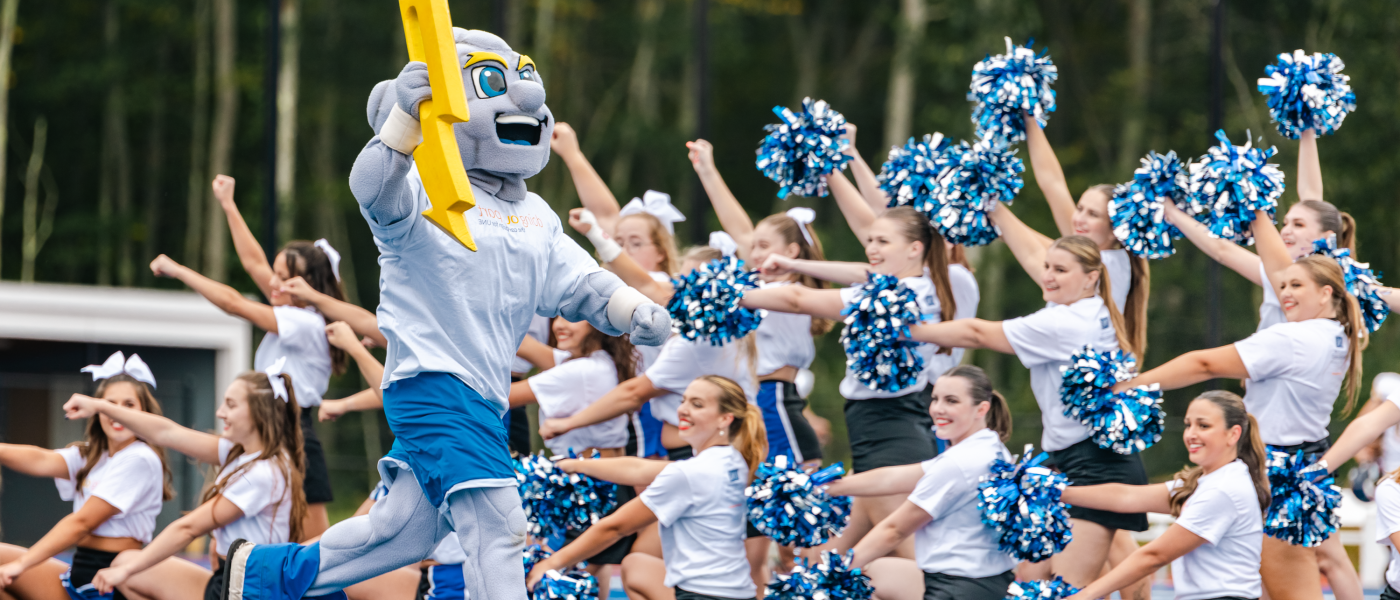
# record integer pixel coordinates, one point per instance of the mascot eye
(529, 75)
(490, 82)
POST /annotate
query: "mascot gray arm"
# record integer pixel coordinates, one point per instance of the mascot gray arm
(378, 178)
(610, 305)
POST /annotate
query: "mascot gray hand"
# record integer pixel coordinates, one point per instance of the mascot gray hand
(651, 324)
(411, 87)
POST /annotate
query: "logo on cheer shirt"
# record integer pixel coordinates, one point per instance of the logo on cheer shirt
(733, 475)
(1339, 341)
(512, 223)
(1104, 323)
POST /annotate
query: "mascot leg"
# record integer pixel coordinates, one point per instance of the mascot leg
(490, 523)
(400, 530)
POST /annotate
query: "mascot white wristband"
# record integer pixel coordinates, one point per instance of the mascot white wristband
(621, 305)
(401, 131)
(608, 250)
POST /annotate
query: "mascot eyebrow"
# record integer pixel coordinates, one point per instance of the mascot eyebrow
(477, 57)
(525, 61)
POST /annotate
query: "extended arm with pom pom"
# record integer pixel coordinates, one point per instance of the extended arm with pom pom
(1229, 183)
(1020, 502)
(792, 508)
(1361, 282)
(978, 176)
(705, 304)
(806, 146)
(878, 351)
(1307, 92)
(1138, 211)
(1005, 85)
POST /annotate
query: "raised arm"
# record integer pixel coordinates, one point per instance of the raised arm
(623, 399)
(1361, 432)
(1049, 177)
(622, 470)
(1120, 497)
(1026, 244)
(865, 177)
(1309, 168)
(362, 321)
(341, 336)
(845, 273)
(64, 535)
(621, 263)
(1270, 245)
(1174, 543)
(378, 177)
(1192, 368)
(174, 538)
(33, 461)
(732, 217)
(155, 429)
(798, 299)
(1225, 252)
(220, 295)
(592, 192)
(884, 481)
(964, 333)
(853, 205)
(250, 253)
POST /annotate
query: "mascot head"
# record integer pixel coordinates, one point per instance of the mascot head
(510, 126)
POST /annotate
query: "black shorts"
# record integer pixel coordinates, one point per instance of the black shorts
(938, 586)
(518, 427)
(680, 453)
(1311, 450)
(886, 432)
(612, 555)
(86, 563)
(688, 595)
(789, 432)
(317, 483)
(1085, 463)
(1389, 593)
(216, 582)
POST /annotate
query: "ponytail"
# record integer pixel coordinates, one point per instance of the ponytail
(1249, 449)
(1324, 271)
(980, 389)
(746, 432)
(1135, 309)
(916, 228)
(1087, 254)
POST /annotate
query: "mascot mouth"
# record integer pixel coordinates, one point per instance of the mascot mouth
(518, 130)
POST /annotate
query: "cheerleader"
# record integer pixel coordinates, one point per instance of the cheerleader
(1388, 531)
(1214, 544)
(1379, 420)
(592, 364)
(115, 480)
(256, 496)
(956, 555)
(294, 330)
(1074, 282)
(886, 428)
(517, 420)
(1295, 371)
(699, 503)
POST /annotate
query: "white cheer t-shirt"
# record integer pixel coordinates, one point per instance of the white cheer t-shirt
(1388, 523)
(572, 386)
(700, 505)
(1295, 375)
(301, 337)
(784, 339)
(1224, 511)
(956, 542)
(261, 492)
(132, 481)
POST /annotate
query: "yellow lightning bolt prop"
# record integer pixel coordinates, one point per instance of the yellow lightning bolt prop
(427, 27)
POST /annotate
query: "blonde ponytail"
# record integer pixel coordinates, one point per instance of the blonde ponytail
(746, 432)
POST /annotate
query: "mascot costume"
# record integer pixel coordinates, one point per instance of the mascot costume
(454, 319)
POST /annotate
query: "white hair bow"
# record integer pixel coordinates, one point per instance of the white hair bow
(656, 204)
(117, 364)
(722, 241)
(334, 256)
(804, 217)
(274, 378)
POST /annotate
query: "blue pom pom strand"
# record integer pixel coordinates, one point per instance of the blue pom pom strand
(978, 176)
(1138, 208)
(830, 579)
(574, 584)
(792, 508)
(1229, 183)
(1124, 422)
(878, 352)
(1005, 85)
(1362, 283)
(1302, 512)
(705, 304)
(1307, 92)
(1043, 589)
(1020, 502)
(804, 147)
(910, 176)
(556, 502)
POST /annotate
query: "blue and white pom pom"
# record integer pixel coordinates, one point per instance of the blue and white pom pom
(1231, 182)
(1020, 502)
(791, 507)
(1307, 92)
(878, 351)
(1362, 283)
(1138, 208)
(1041, 589)
(803, 148)
(574, 584)
(1124, 422)
(1302, 512)
(830, 579)
(978, 176)
(533, 554)
(1005, 85)
(910, 175)
(556, 502)
(705, 304)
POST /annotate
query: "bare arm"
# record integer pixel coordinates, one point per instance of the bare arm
(865, 177)
(1120, 497)
(622, 470)
(1192, 368)
(845, 273)
(521, 394)
(1362, 431)
(1049, 176)
(887, 534)
(1225, 252)
(174, 538)
(1174, 543)
(536, 353)
(371, 398)
(732, 217)
(852, 203)
(625, 267)
(796, 299)
(625, 398)
(220, 295)
(155, 429)
(1269, 244)
(362, 321)
(592, 192)
(33, 461)
(342, 336)
(250, 252)
(964, 333)
(1309, 168)
(628, 519)
(63, 536)
(1026, 244)
(884, 481)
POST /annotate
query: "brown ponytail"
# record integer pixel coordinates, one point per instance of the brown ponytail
(1087, 254)
(746, 432)
(792, 233)
(278, 425)
(1249, 449)
(1324, 271)
(1135, 309)
(916, 228)
(1334, 221)
(980, 388)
